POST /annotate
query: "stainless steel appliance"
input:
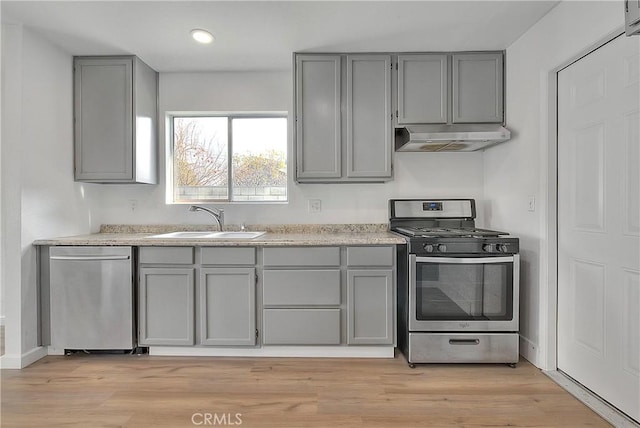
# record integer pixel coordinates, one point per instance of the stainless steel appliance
(458, 285)
(449, 138)
(92, 300)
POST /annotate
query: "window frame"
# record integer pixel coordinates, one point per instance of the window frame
(170, 161)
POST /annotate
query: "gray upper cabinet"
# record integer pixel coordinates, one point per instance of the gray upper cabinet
(441, 88)
(369, 129)
(477, 84)
(318, 116)
(115, 115)
(423, 84)
(343, 117)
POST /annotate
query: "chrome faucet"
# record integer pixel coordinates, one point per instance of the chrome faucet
(217, 214)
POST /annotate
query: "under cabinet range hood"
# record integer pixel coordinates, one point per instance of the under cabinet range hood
(449, 138)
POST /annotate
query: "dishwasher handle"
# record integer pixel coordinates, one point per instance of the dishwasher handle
(91, 258)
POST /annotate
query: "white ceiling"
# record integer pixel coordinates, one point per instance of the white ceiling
(261, 35)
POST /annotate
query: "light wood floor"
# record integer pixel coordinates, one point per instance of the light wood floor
(144, 391)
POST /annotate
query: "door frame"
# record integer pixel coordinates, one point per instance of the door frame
(549, 173)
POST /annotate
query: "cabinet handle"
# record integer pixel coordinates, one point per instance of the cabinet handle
(89, 258)
(464, 341)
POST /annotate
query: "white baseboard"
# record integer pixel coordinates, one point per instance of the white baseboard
(611, 414)
(279, 351)
(529, 351)
(17, 362)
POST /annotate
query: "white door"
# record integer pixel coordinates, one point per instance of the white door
(599, 222)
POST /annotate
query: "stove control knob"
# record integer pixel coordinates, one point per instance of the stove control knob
(487, 248)
(428, 248)
(501, 248)
(442, 248)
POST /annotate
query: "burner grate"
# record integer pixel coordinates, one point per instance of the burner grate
(437, 232)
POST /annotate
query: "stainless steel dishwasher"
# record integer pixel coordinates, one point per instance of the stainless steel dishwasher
(92, 298)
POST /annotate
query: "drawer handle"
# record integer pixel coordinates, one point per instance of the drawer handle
(89, 258)
(464, 341)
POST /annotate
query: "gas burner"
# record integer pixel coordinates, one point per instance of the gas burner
(446, 227)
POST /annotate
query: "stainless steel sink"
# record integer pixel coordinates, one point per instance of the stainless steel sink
(208, 235)
(237, 235)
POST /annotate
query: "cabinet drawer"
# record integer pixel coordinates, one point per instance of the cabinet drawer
(370, 256)
(301, 287)
(301, 327)
(166, 255)
(312, 256)
(463, 348)
(228, 256)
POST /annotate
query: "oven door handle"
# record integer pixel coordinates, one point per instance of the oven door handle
(465, 260)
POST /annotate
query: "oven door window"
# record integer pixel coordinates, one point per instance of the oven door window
(470, 292)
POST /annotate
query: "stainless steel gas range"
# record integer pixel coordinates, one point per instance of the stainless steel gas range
(458, 285)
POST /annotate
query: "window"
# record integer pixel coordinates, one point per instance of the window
(236, 157)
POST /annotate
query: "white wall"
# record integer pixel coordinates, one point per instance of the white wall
(10, 190)
(416, 174)
(519, 169)
(39, 197)
(2, 85)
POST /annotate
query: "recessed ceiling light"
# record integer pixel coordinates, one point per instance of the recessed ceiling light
(202, 36)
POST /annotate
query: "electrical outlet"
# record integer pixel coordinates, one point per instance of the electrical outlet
(315, 205)
(133, 204)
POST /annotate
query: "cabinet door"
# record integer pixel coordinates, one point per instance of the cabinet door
(228, 306)
(318, 116)
(478, 88)
(370, 307)
(369, 118)
(423, 88)
(166, 306)
(103, 104)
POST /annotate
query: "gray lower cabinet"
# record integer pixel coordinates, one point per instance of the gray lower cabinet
(228, 306)
(370, 306)
(370, 295)
(307, 296)
(166, 306)
(115, 113)
(213, 288)
(343, 117)
(302, 296)
(302, 326)
(301, 287)
(297, 256)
